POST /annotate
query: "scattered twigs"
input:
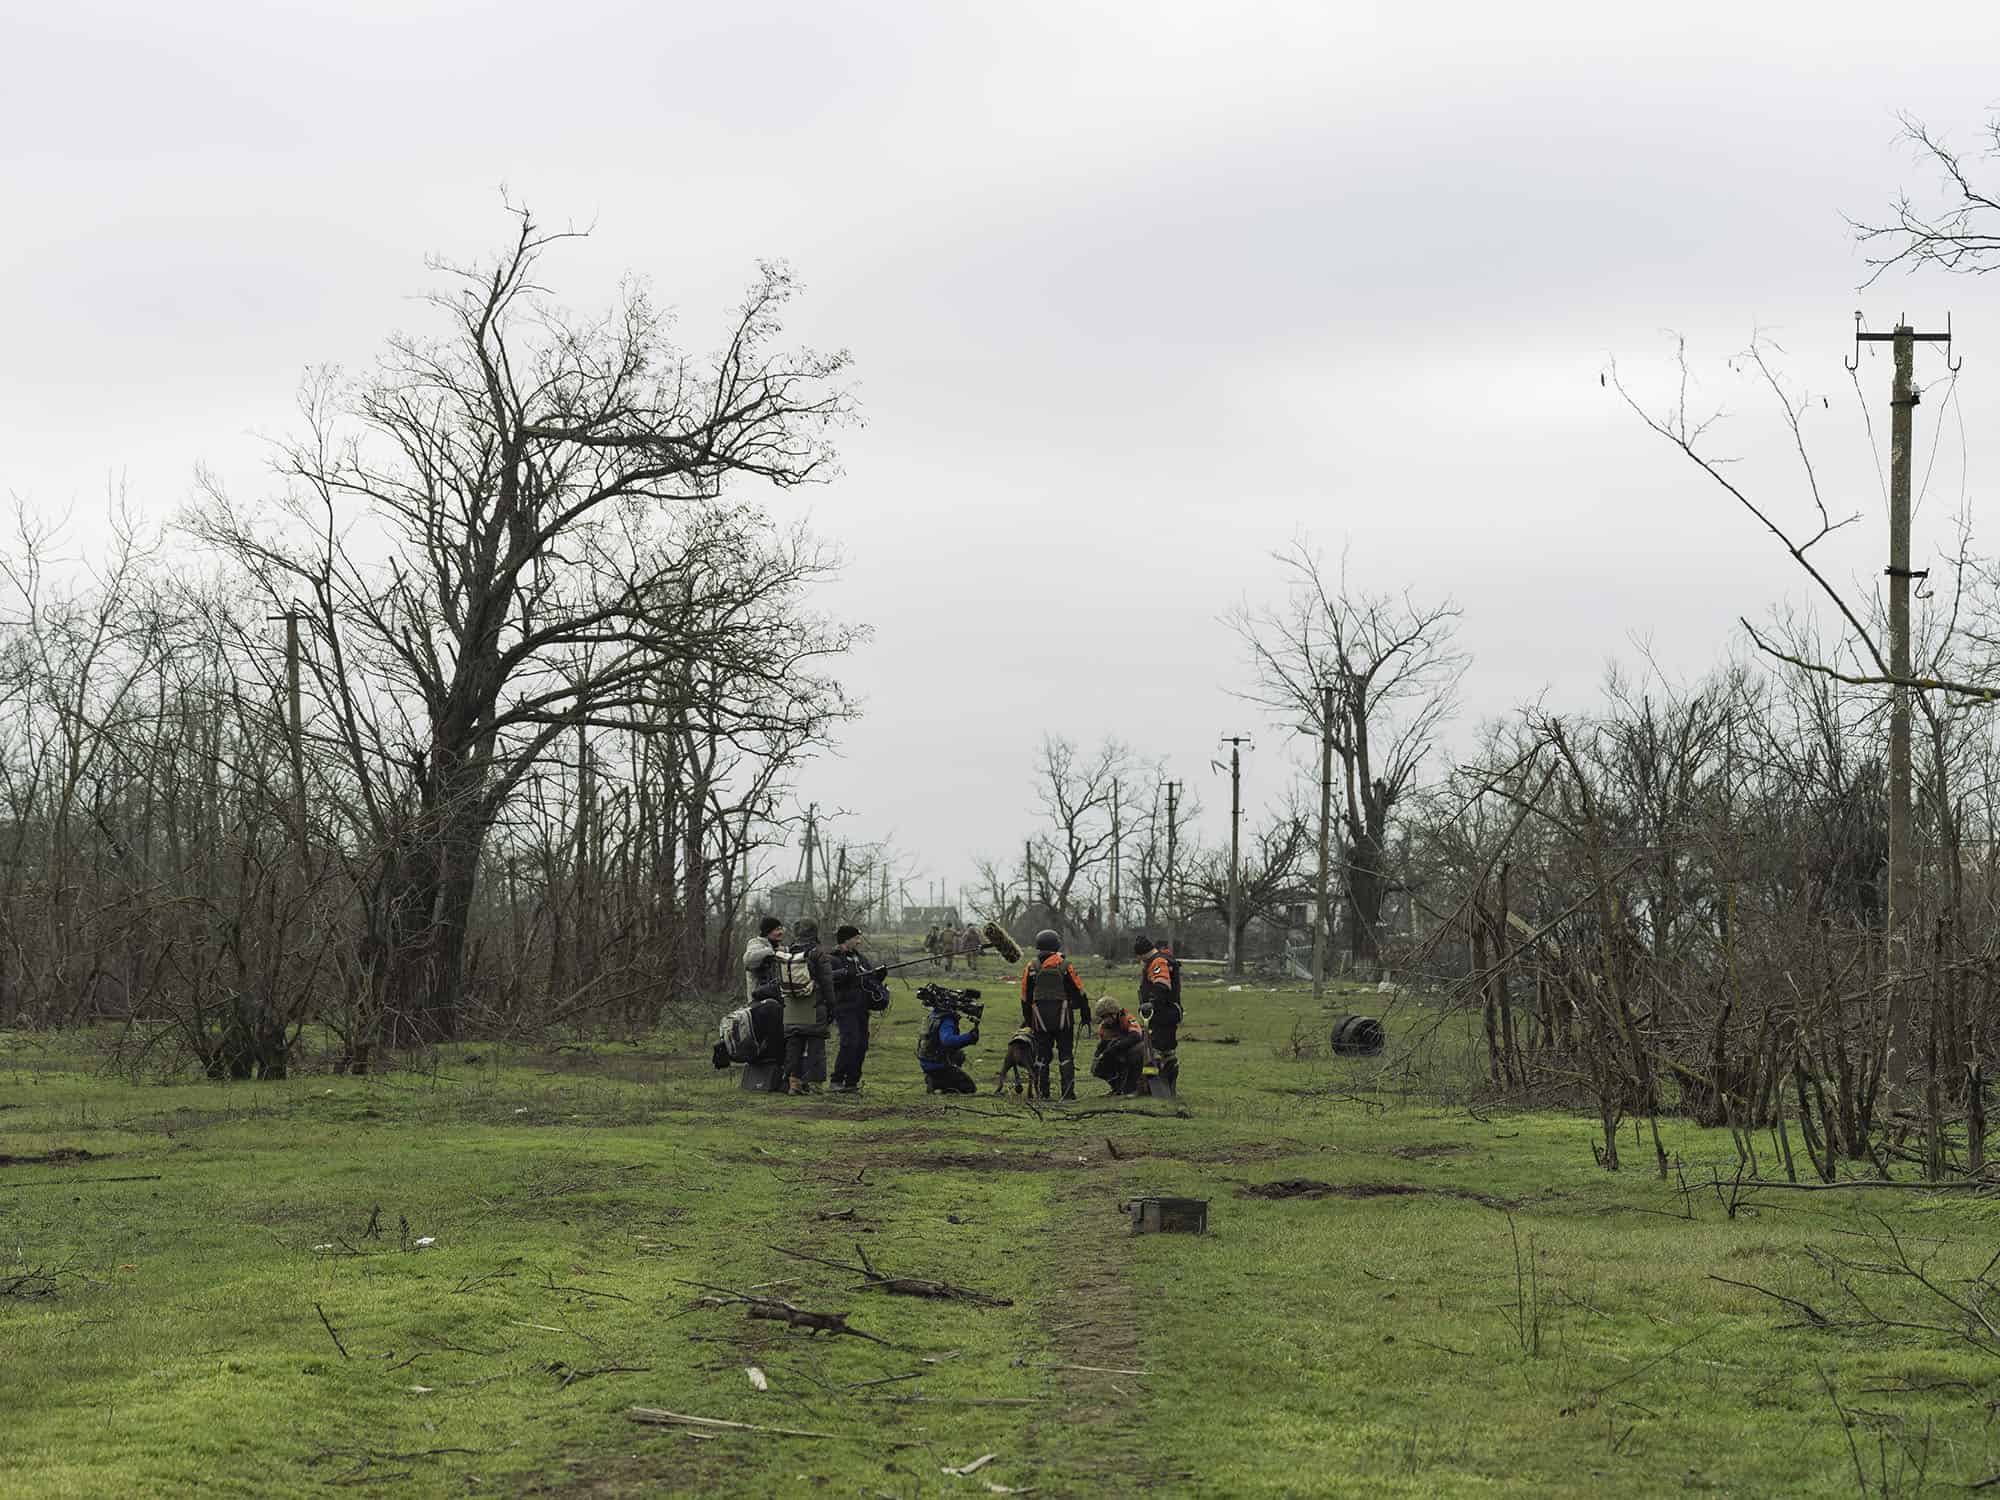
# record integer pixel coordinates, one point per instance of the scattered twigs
(550, 1285)
(654, 1416)
(331, 1332)
(473, 1283)
(856, 1385)
(906, 1286)
(779, 1311)
(1591, 1398)
(571, 1374)
(37, 1282)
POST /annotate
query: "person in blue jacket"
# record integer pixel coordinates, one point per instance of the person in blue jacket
(941, 1052)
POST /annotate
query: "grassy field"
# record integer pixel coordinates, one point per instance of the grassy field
(461, 1281)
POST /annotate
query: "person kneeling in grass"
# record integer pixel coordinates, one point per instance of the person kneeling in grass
(1121, 1047)
(941, 1053)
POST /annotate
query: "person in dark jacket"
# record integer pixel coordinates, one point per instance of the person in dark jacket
(1160, 1002)
(807, 1009)
(1051, 1000)
(941, 1053)
(851, 984)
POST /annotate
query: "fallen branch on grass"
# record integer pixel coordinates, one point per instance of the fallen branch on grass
(906, 1286)
(78, 1181)
(778, 1311)
(1088, 1369)
(330, 1332)
(1814, 1316)
(654, 1416)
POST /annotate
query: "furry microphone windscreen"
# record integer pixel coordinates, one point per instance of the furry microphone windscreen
(997, 939)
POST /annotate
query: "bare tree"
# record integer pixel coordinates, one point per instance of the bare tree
(1074, 791)
(1393, 666)
(482, 534)
(1961, 233)
(1276, 874)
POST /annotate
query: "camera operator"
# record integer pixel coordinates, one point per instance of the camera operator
(855, 987)
(941, 1047)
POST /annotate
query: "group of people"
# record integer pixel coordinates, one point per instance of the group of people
(801, 992)
(943, 943)
(811, 992)
(1129, 1047)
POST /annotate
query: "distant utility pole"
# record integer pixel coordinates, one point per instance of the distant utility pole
(1235, 742)
(1903, 397)
(1320, 935)
(1173, 832)
(810, 906)
(1114, 856)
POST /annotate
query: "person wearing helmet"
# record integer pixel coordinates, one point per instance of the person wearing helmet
(1121, 1048)
(1160, 1002)
(1051, 999)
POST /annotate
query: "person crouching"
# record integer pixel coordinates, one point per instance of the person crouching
(1121, 1048)
(941, 1053)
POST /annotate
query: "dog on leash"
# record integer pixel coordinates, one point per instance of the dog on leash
(1019, 1060)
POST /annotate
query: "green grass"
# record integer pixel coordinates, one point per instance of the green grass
(1508, 1320)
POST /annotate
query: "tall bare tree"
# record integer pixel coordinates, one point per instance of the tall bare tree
(483, 533)
(1394, 667)
(1074, 790)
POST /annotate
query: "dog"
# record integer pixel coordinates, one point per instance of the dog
(1019, 1060)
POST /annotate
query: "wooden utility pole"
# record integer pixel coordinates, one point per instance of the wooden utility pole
(810, 907)
(1320, 935)
(1235, 742)
(1173, 831)
(1114, 856)
(1903, 397)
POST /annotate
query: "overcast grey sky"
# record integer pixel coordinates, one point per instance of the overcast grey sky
(1134, 291)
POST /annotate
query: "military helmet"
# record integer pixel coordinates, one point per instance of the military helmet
(1106, 1009)
(1048, 940)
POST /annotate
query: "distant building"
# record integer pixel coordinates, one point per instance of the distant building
(788, 902)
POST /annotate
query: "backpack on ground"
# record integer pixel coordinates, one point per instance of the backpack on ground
(738, 1035)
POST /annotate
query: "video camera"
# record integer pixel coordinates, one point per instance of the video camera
(942, 997)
